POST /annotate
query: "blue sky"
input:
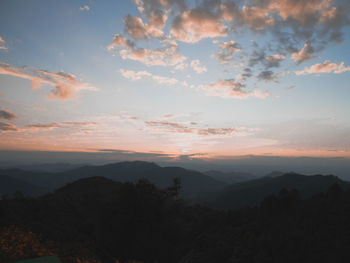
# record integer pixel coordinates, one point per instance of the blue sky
(166, 77)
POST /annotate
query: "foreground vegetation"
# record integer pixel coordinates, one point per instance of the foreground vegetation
(98, 220)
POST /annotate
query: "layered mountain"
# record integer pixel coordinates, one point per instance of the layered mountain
(230, 177)
(253, 192)
(10, 185)
(193, 183)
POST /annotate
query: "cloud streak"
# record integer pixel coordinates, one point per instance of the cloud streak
(2, 44)
(232, 89)
(138, 75)
(66, 86)
(7, 115)
(325, 67)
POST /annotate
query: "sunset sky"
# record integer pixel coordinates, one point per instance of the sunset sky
(203, 79)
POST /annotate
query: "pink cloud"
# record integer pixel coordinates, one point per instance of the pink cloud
(306, 53)
(160, 57)
(120, 41)
(137, 75)
(227, 51)
(84, 8)
(196, 65)
(232, 89)
(66, 86)
(135, 27)
(196, 24)
(325, 67)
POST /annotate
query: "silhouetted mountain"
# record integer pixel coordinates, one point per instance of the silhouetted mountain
(49, 167)
(98, 220)
(275, 174)
(230, 177)
(41, 179)
(10, 185)
(253, 192)
(193, 183)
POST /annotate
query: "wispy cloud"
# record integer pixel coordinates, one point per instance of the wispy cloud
(2, 44)
(7, 127)
(67, 124)
(137, 75)
(325, 67)
(304, 54)
(191, 128)
(227, 51)
(7, 114)
(84, 8)
(66, 86)
(197, 67)
(232, 89)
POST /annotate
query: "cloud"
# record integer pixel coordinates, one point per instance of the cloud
(6, 114)
(195, 24)
(325, 67)
(120, 41)
(274, 61)
(267, 75)
(256, 18)
(232, 89)
(2, 44)
(166, 56)
(135, 27)
(258, 56)
(84, 8)
(7, 127)
(178, 127)
(247, 73)
(55, 125)
(196, 65)
(227, 51)
(66, 86)
(306, 53)
(137, 75)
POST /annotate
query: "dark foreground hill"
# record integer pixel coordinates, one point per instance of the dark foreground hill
(253, 192)
(98, 220)
(193, 182)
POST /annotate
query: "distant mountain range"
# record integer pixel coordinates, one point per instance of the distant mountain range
(9, 185)
(193, 183)
(230, 177)
(213, 188)
(254, 191)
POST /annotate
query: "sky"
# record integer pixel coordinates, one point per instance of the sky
(176, 79)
